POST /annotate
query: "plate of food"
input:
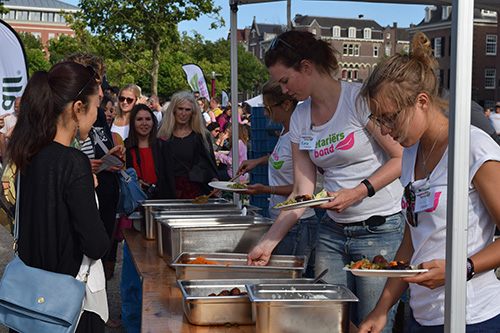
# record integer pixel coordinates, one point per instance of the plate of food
(380, 267)
(228, 186)
(301, 201)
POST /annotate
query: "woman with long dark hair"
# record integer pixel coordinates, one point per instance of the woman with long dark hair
(59, 219)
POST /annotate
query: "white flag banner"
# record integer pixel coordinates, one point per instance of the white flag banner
(196, 79)
(225, 98)
(13, 68)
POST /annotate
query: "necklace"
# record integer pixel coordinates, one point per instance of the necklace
(424, 163)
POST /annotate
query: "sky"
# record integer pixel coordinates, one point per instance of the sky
(275, 13)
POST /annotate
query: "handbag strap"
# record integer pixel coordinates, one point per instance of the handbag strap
(106, 150)
(16, 216)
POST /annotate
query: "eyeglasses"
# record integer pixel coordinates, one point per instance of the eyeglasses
(277, 40)
(411, 216)
(388, 122)
(95, 77)
(128, 99)
(269, 108)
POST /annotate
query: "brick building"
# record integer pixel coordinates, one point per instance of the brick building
(486, 64)
(41, 18)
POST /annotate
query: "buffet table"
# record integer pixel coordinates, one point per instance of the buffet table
(161, 298)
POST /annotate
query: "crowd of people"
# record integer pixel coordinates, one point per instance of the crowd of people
(381, 146)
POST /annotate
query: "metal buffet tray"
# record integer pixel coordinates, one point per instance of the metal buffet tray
(201, 309)
(233, 266)
(226, 234)
(301, 308)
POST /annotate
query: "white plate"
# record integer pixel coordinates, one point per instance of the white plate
(385, 272)
(223, 186)
(307, 203)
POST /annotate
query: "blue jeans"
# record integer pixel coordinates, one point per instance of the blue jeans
(488, 326)
(338, 246)
(131, 291)
(300, 240)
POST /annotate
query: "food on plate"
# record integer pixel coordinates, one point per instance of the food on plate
(287, 202)
(321, 195)
(379, 262)
(234, 292)
(298, 198)
(237, 186)
(202, 261)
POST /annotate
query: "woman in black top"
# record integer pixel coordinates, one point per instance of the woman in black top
(193, 157)
(59, 219)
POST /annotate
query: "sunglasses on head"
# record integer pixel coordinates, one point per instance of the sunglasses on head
(128, 99)
(278, 40)
(269, 108)
(95, 77)
(411, 216)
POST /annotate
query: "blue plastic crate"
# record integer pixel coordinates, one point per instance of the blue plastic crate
(261, 201)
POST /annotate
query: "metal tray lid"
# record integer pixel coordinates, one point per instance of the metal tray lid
(300, 293)
(180, 214)
(216, 221)
(182, 202)
(229, 261)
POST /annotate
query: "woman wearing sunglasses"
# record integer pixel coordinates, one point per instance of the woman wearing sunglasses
(404, 99)
(331, 130)
(59, 221)
(127, 98)
(299, 239)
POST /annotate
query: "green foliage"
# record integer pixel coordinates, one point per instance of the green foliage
(35, 53)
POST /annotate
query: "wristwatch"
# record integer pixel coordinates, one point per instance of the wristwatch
(470, 269)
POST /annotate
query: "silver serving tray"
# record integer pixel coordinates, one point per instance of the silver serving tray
(233, 266)
(201, 309)
(301, 308)
(226, 234)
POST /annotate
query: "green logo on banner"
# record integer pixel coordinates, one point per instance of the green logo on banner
(194, 83)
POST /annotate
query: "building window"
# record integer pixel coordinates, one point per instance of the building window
(406, 48)
(388, 35)
(22, 15)
(59, 18)
(351, 50)
(52, 35)
(367, 33)
(488, 12)
(491, 44)
(336, 31)
(11, 15)
(313, 32)
(37, 35)
(489, 78)
(48, 17)
(388, 50)
(35, 16)
(352, 32)
(437, 47)
(375, 50)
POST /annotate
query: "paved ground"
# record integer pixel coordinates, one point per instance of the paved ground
(113, 287)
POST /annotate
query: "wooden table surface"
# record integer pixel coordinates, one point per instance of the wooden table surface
(161, 298)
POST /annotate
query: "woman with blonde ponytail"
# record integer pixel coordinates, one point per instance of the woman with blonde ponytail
(404, 100)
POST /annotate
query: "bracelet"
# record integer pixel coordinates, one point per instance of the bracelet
(470, 269)
(371, 190)
(272, 190)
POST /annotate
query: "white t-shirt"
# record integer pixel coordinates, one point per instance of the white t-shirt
(495, 121)
(158, 116)
(348, 154)
(429, 237)
(280, 172)
(121, 130)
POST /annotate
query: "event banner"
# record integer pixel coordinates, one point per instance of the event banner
(196, 79)
(225, 98)
(13, 68)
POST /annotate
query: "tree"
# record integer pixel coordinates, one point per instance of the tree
(152, 23)
(35, 53)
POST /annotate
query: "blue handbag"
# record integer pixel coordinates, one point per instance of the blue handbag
(130, 191)
(36, 300)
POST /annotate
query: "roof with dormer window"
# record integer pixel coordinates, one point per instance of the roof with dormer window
(39, 4)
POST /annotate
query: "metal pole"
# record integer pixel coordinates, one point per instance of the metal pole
(234, 87)
(458, 166)
(213, 84)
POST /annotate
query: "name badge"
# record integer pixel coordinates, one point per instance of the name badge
(424, 199)
(307, 142)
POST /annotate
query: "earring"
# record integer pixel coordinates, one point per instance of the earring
(76, 140)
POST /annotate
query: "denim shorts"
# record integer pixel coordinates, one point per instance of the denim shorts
(488, 326)
(300, 240)
(337, 246)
